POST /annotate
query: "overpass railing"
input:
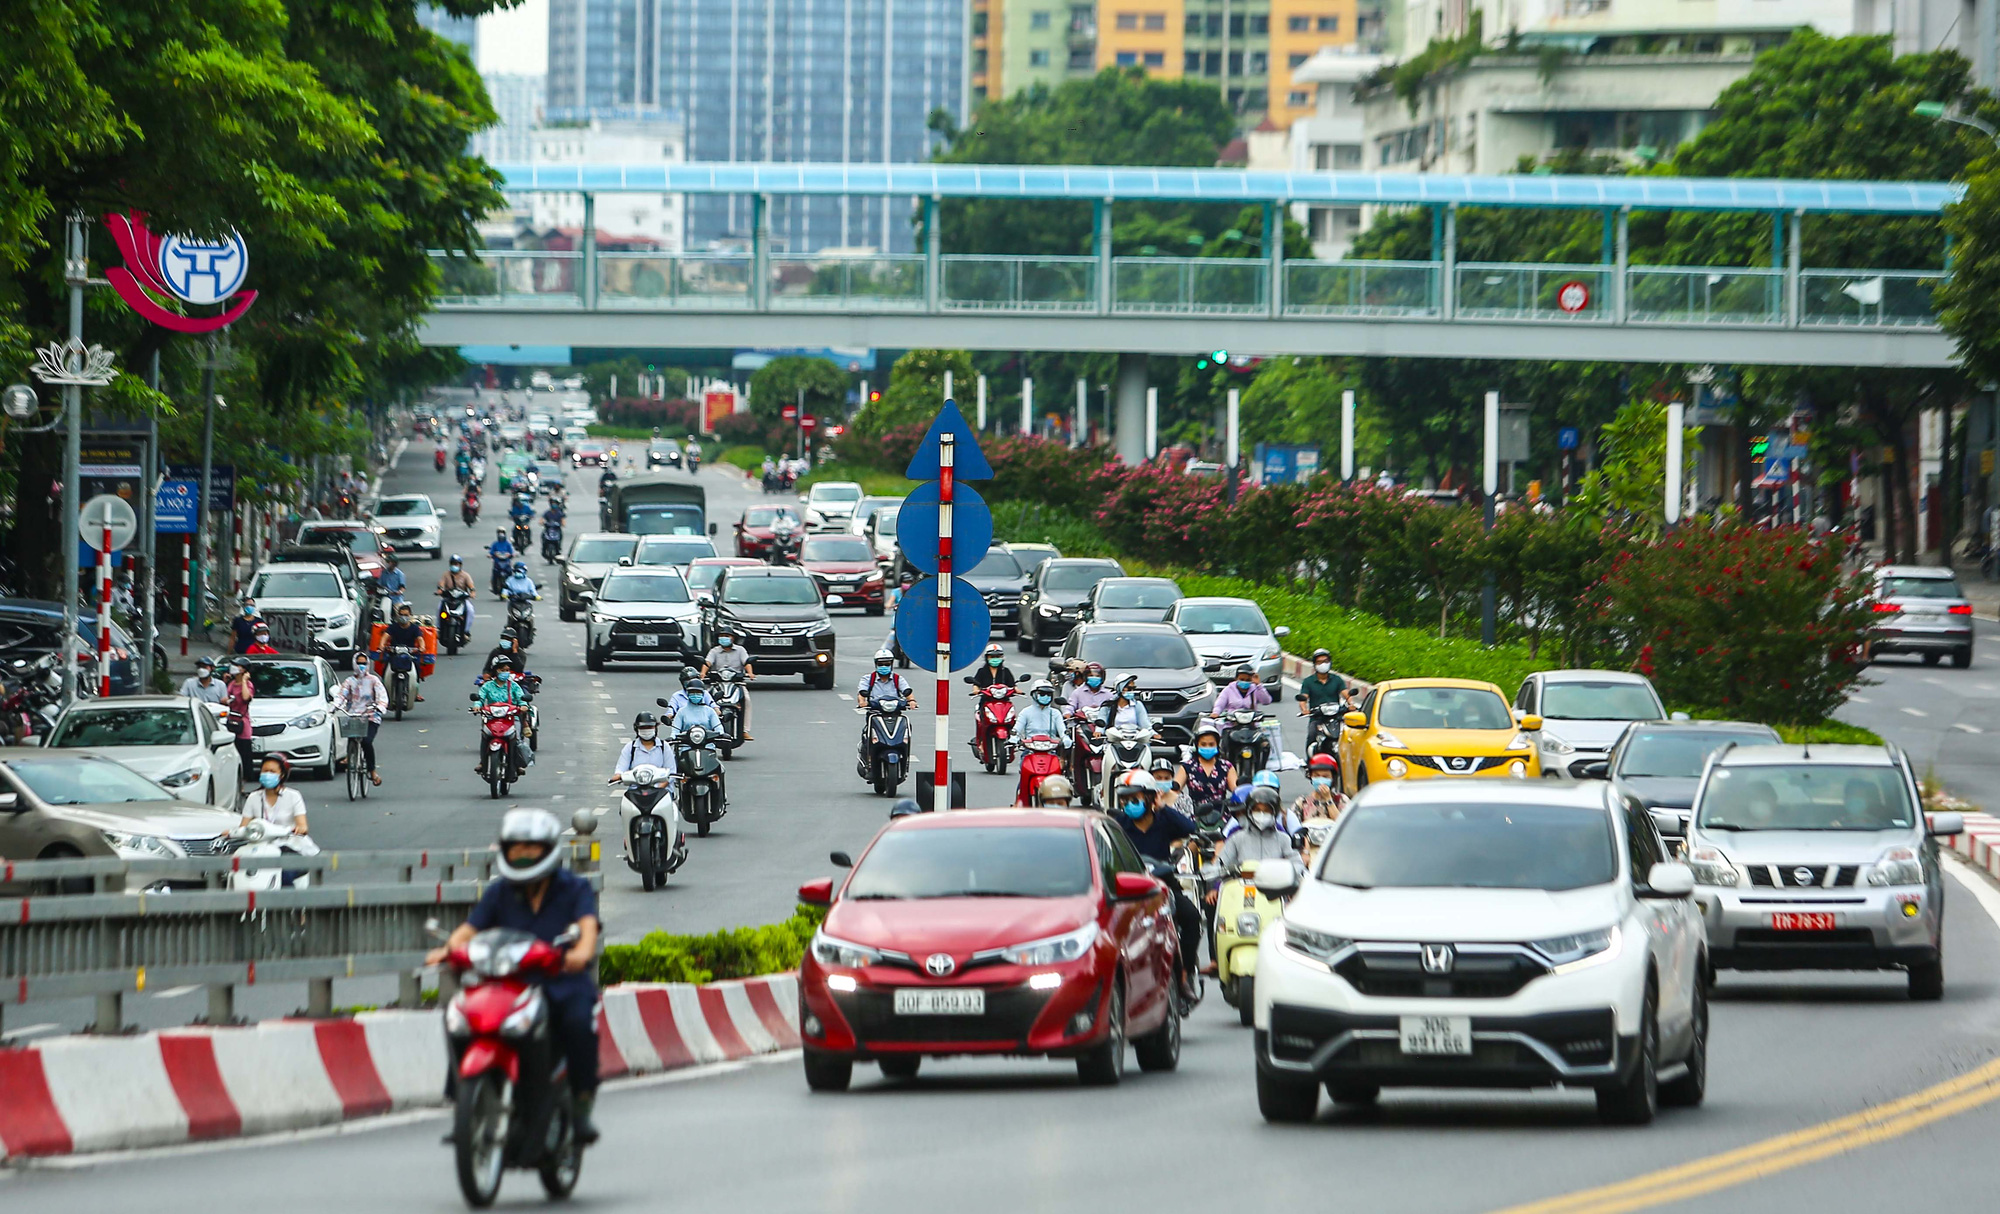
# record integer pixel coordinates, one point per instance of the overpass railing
(1552, 293)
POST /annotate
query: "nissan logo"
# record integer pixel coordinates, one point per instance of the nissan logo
(1802, 875)
(1458, 764)
(939, 965)
(1437, 958)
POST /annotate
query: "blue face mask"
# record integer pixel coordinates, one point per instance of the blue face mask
(1208, 752)
(1045, 699)
(1322, 782)
(885, 671)
(1243, 685)
(1093, 682)
(728, 642)
(695, 697)
(268, 779)
(1133, 809)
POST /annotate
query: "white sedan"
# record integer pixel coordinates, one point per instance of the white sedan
(1234, 633)
(174, 741)
(292, 714)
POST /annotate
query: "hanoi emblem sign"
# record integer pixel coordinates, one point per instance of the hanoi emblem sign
(184, 269)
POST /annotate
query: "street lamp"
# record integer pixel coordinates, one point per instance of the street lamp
(1936, 111)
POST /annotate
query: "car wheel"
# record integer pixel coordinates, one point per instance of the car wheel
(62, 885)
(1246, 1000)
(1160, 1050)
(1634, 1101)
(567, 615)
(877, 609)
(1927, 980)
(1022, 643)
(1961, 659)
(828, 1072)
(900, 1067)
(1687, 1091)
(1104, 1065)
(593, 659)
(824, 682)
(1283, 1099)
(1352, 1093)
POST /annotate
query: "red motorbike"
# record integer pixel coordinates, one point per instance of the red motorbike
(1086, 754)
(993, 726)
(499, 758)
(437, 457)
(514, 1104)
(1041, 757)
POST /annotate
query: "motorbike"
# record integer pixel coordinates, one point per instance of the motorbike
(654, 844)
(439, 459)
(552, 542)
(468, 509)
(1244, 741)
(521, 618)
(786, 536)
(257, 840)
(514, 1107)
(1323, 732)
(1126, 748)
(1086, 754)
(453, 632)
(503, 568)
(523, 535)
(1041, 757)
(885, 757)
(1312, 837)
(464, 474)
(1242, 912)
(703, 798)
(771, 480)
(499, 758)
(730, 695)
(993, 727)
(402, 679)
(31, 709)
(693, 460)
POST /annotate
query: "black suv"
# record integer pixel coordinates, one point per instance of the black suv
(779, 617)
(1049, 604)
(1173, 683)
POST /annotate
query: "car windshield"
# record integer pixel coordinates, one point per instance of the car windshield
(998, 563)
(1077, 577)
(1471, 846)
(1444, 708)
(548, 471)
(390, 507)
(1680, 753)
(1920, 588)
(704, 577)
(974, 862)
(305, 584)
(665, 446)
(331, 537)
(84, 780)
(663, 520)
(885, 520)
(1599, 700)
(643, 588)
(1137, 650)
(602, 552)
(1223, 617)
(125, 727)
(768, 591)
(284, 680)
(764, 516)
(1805, 796)
(837, 548)
(1139, 594)
(836, 493)
(672, 550)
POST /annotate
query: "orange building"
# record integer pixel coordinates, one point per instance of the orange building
(1141, 33)
(1298, 29)
(985, 50)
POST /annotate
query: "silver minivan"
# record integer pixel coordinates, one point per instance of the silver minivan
(1819, 857)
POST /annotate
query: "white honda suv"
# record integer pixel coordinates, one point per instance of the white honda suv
(1513, 936)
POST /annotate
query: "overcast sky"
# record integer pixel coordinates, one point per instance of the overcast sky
(515, 39)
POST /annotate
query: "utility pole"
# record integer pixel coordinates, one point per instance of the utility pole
(1488, 625)
(1229, 448)
(1347, 437)
(1027, 408)
(1676, 413)
(1152, 422)
(203, 549)
(76, 272)
(1080, 432)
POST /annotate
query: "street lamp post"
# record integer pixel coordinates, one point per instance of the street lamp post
(1937, 111)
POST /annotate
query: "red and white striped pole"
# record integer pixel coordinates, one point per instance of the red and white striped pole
(941, 799)
(104, 615)
(187, 549)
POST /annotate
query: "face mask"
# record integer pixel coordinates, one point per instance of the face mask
(646, 735)
(992, 661)
(268, 779)
(1044, 699)
(727, 642)
(1093, 682)
(1322, 782)
(1322, 667)
(456, 567)
(204, 675)
(1208, 752)
(697, 698)
(1243, 685)
(262, 638)
(1132, 809)
(1262, 821)
(885, 671)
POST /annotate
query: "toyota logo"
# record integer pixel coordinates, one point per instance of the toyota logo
(1437, 958)
(939, 965)
(1802, 875)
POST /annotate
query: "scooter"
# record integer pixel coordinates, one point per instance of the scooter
(439, 459)
(521, 618)
(729, 697)
(1086, 755)
(402, 679)
(499, 759)
(703, 797)
(523, 535)
(786, 537)
(261, 840)
(693, 460)
(1126, 748)
(552, 542)
(1242, 912)
(514, 1104)
(503, 568)
(1244, 741)
(37, 699)
(1041, 757)
(453, 632)
(654, 844)
(1323, 732)
(993, 726)
(468, 509)
(885, 758)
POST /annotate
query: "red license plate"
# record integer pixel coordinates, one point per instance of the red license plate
(1802, 921)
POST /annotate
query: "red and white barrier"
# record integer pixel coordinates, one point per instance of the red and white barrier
(78, 1094)
(1980, 843)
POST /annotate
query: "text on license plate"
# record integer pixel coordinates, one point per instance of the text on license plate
(779, 642)
(1802, 921)
(1436, 1034)
(646, 641)
(966, 1002)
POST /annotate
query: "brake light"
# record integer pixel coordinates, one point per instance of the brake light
(1960, 609)
(1886, 609)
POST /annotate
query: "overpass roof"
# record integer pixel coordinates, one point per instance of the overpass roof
(1086, 182)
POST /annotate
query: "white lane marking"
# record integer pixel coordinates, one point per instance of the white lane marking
(30, 1030)
(611, 710)
(1964, 728)
(1935, 682)
(175, 992)
(1859, 700)
(597, 682)
(603, 695)
(1984, 686)
(1916, 712)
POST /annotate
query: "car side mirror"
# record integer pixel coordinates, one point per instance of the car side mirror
(840, 859)
(1277, 877)
(1355, 720)
(1600, 770)
(474, 697)
(817, 893)
(1669, 880)
(439, 513)
(1945, 823)
(1130, 887)
(624, 562)
(218, 746)
(1281, 632)
(712, 529)
(10, 802)
(1211, 668)
(705, 599)
(1530, 723)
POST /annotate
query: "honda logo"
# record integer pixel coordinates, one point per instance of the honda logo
(939, 965)
(1437, 958)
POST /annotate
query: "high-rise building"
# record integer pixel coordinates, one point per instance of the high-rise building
(462, 30)
(839, 81)
(517, 98)
(653, 221)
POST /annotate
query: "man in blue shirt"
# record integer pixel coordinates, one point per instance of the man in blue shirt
(392, 581)
(537, 895)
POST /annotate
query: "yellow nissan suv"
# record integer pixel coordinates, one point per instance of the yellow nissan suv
(1409, 729)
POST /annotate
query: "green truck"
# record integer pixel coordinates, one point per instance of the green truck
(656, 505)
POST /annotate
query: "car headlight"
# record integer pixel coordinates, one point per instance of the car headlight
(830, 950)
(339, 621)
(1555, 745)
(1711, 867)
(1055, 949)
(873, 579)
(182, 778)
(1579, 950)
(1520, 741)
(1322, 947)
(820, 629)
(141, 846)
(1196, 691)
(1248, 924)
(1048, 610)
(1269, 653)
(1897, 866)
(597, 617)
(1384, 738)
(312, 720)
(1397, 768)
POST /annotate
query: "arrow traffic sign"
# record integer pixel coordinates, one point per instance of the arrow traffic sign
(917, 620)
(968, 462)
(917, 527)
(110, 510)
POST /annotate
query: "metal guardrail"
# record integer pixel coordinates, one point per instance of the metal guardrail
(365, 913)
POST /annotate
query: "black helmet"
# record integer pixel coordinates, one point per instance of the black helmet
(502, 662)
(1246, 671)
(508, 636)
(904, 807)
(1264, 795)
(645, 720)
(689, 675)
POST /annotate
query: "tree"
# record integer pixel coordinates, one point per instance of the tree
(778, 383)
(915, 392)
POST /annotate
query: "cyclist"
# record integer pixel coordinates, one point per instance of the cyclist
(363, 695)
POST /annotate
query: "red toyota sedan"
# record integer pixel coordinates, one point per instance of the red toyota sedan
(1001, 931)
(845, 568)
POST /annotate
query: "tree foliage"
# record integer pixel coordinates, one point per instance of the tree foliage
(778, 383)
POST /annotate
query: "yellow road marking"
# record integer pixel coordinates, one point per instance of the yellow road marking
(1782, 1153)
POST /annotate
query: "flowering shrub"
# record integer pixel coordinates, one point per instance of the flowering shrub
(673, 417)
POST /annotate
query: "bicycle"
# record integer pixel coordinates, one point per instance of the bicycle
(354, 728)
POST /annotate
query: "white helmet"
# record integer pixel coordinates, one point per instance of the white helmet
(884, 657)
(529, 826)
(1053, 788)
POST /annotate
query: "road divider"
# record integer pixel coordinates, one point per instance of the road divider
(1980, 843)
(75, 1095)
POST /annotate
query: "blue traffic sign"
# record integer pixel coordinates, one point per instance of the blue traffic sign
(968, 462)
(917, 527)
(1567, 437)
(174, 506)
(916, 623)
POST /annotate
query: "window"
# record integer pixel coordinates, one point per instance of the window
(1642, 842)
(1156, 21)
(1127, 21)
(1128, 59)
(1600, 700)
(1191, 62)
(1298, 25)
(1156, 59)
(1297, 98)
(1127, 856)
(1444, 708)
(1193, 26)
(1258, 62)
(1215, 25)
(1329, 25)
(979, 59)
(1081, 61)
(1039, 21)
(974, 862)
(1295, 58)
(1038, 58)
(1236, 26)
(1260, 23)
(1470, 846)
(1107, 861)
(978, 24)
(1212, 66)
(1236, 63)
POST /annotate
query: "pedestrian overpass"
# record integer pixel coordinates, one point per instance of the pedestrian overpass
(1613, 310)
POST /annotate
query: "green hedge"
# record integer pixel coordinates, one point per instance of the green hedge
(745, 456)
(873, 481)
(1034, 523)
(738, 952)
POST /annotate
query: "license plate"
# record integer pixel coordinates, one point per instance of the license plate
(957, 1002)
(1437, 1035)
(1802, 921)
(779, 642)
(646, 641)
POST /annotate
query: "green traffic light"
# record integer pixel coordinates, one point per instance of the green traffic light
(1220, 356)
(1201, 364)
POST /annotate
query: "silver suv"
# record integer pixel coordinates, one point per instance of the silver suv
(1818, 857)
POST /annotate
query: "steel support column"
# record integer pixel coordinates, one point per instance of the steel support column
(1448, 276)
(1793, 282)
(1130, 432)
(933, 266)
(760, 252)
(1622, 257)
(587, 287)
(1101, 248)
(1274, 257)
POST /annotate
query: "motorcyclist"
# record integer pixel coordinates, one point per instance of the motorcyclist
(645, 748)
(1323, 685)
(992, 669)
(1167, 785)
(501, 550)
(1125, 711)
(605, 480)
(556, 513)
(1324, 801)
(509, 648)
(403, 631)
(391, 581)
(501, 687)
(726, 654)
(1092, 693)
(1210, 777)
(883, 674)
(1054, 792)
(519, 582)
(456, 578)
(1041, 716)
(1153, 831)
(1260, 838)
(523, 509)
(536, 894)
(247, 621)
(1247, 691)
(696, 712)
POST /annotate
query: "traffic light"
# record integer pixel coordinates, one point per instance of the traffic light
(874, 395)
(1220, 357)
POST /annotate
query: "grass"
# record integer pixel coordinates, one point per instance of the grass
(746, 456)
(1033, 523)
(873, 482)
(596, 430)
